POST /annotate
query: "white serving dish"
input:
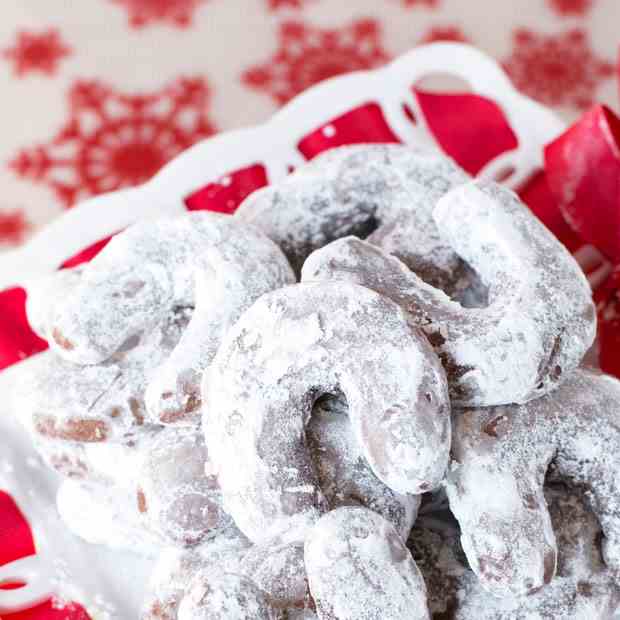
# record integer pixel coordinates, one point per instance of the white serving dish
(110, 584)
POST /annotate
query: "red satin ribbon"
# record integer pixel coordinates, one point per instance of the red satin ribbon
(583, 172)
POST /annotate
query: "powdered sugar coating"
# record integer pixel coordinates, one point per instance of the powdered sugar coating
(343, 473)
(68, 458)
(177, 493)
(540, 320)
(225, 597)
(582, 589)
(359, 569)
(177, 566)
(353, 190)
(120, 462)
(143, 274)
(277, 568)
(105, 463)
(239, 265)
(64, 401)
(406, 183)
(45, 294)
(290, 348)
(105, 516)
(345, 478)
(495, 483)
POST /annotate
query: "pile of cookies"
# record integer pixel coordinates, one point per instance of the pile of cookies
(360, 397)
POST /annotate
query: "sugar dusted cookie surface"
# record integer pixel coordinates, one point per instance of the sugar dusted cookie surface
(359, 569)
(272, 440)
(225, 597)
(584, 588)
(44, 296)
(106, 516)
(177, 566)
(294, 346)
(176, 491)
(540, 320)
(355, 190)
(147, 272)
(495, 483)
(230, 273)
(343, 473)
(105, 402)
(277, 568)
(103, 463)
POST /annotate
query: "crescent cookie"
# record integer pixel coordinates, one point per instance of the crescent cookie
(177, 493)
(294, 346)
(95, 404)
(148, 271)
(583, 587)
(495, 484)
(385, 192)
(539, 322)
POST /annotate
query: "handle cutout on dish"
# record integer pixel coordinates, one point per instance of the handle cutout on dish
(442, 82)
(35, 585)
(444, 114)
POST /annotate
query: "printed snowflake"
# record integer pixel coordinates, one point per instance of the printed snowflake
(571, 7)
(308, 55)
(557, 69)
(37, 52)
(444, 33)
(144, 12)
(113, 140)
(13, 227)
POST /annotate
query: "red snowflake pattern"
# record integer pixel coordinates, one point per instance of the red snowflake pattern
(444, 33)
(144, 12)
(557, 69)
(308, 55)
(113, 140)
(37, 52)
(571, 7)
(274, 5)
(13, 227)
(431, 4)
